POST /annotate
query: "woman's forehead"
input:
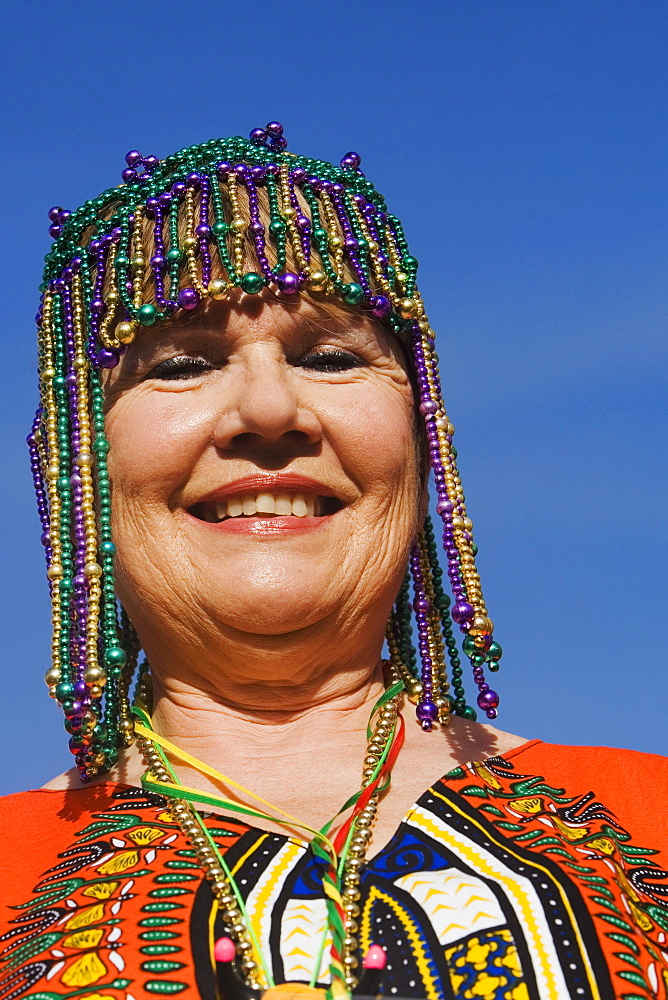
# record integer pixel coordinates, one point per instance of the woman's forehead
(298, 319)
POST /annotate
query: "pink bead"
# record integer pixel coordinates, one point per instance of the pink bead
(375, 958)
(224, 950)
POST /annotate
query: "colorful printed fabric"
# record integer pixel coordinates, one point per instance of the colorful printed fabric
(502, 883)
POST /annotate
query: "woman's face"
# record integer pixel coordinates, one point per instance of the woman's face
(264, 469)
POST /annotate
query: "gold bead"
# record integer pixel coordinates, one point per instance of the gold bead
(238, 225)
(190, 242)
(481, 626)
(138, 261)
(125, 332)
(95, 675)
(55, 571)
(52, 473)
(402, 277)
(52, 676)
(407, 308)
(218, 289)
(95, 691)
(93, 570)
(336, 242)
(317, 282)
(289, 212)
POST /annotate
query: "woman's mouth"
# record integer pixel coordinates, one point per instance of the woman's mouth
(266, 505)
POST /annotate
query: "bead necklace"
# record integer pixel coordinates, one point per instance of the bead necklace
(345, 854)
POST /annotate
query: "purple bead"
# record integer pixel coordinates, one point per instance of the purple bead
(203, 231)
(54, 213)
(258, 136)
(444, 507)
(241, 170)
(128, 175)
(80, 689)
(45, 539)
(298, 175)
(381, 307)
(157, 262)
(274, 128)
(351, 159)
(462, 612)
(193, 179)
(188, 298)
(223, 167)
(63, 216)
(97, 306)
(288, 283)
(421, 604)
(152, 204)
(427, 714)
(133, 158)
(54, 231)
(107, 357)
(258, 174)
(150, 162)
(165, 199)
(178, 189)
(278, 143)
(257, 228)
(488, 699)
(428, 406)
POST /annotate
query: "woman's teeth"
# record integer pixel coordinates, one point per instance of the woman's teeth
(251, 504)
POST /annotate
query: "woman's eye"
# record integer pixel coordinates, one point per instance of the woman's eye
(330, 361)
(181, 367)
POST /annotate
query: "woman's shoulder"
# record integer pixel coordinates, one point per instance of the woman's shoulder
(631, 784)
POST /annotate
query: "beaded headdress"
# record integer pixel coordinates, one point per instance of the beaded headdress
(176, 232)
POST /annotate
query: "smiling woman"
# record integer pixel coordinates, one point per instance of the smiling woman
(239, 401)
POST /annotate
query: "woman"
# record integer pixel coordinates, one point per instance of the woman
(233, 342)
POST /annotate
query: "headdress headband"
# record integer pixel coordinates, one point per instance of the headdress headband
(230, 213)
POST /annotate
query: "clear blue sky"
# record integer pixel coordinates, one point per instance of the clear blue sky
(523, 142)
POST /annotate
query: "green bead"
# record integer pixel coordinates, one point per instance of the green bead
(353, 293)
(58, 382)
(469, 645)
(147, 314)
(115, 657)
(454, 451)
(66, 586)
(277, 226)
(173, 255)
(62, 484)
(477, 659)
(252, 283)
(220, 228)
(108, 548)
(362, 244)
(121, 261)
(474, 549)
(494, 652)
(469, 713)
(410, 263)
(493, 666)
(460, 705)
(100, 444)
(319, 233)
(64, 691)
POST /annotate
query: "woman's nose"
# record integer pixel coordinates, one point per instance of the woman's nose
(264, 404)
